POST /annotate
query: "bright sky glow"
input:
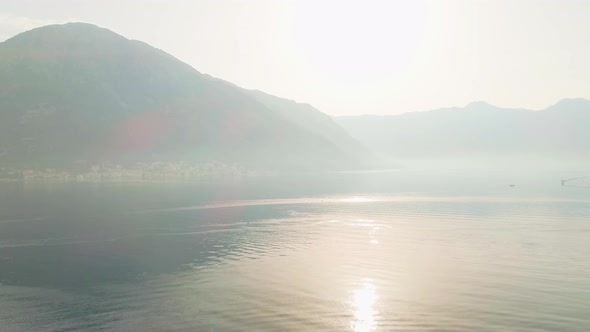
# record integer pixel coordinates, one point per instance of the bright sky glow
(355, 57)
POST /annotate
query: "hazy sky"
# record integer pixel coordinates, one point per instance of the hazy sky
(356, 57)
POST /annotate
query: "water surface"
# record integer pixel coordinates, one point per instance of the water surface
(357, 252)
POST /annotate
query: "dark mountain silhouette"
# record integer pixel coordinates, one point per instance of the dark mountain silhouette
(79, 92)
(479, 129)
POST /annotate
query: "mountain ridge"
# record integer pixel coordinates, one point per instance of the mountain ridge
(480, 104)
(79, 91)
(558, 131)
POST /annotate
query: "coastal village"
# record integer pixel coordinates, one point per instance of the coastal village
(82, 171)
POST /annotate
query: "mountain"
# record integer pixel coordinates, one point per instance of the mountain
(312, 119)
(79, 92)
(479, 130)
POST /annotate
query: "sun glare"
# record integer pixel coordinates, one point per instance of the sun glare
(363, 300)
(357, 200)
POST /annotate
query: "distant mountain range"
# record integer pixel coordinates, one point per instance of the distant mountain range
(80, 92)
(479, 130)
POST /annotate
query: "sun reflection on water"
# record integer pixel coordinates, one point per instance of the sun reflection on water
(362, 301)
(358, 200)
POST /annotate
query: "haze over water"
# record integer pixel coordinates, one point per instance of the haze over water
(412, 251)
(138, 139)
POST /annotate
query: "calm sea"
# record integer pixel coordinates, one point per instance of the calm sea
(392, 251)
